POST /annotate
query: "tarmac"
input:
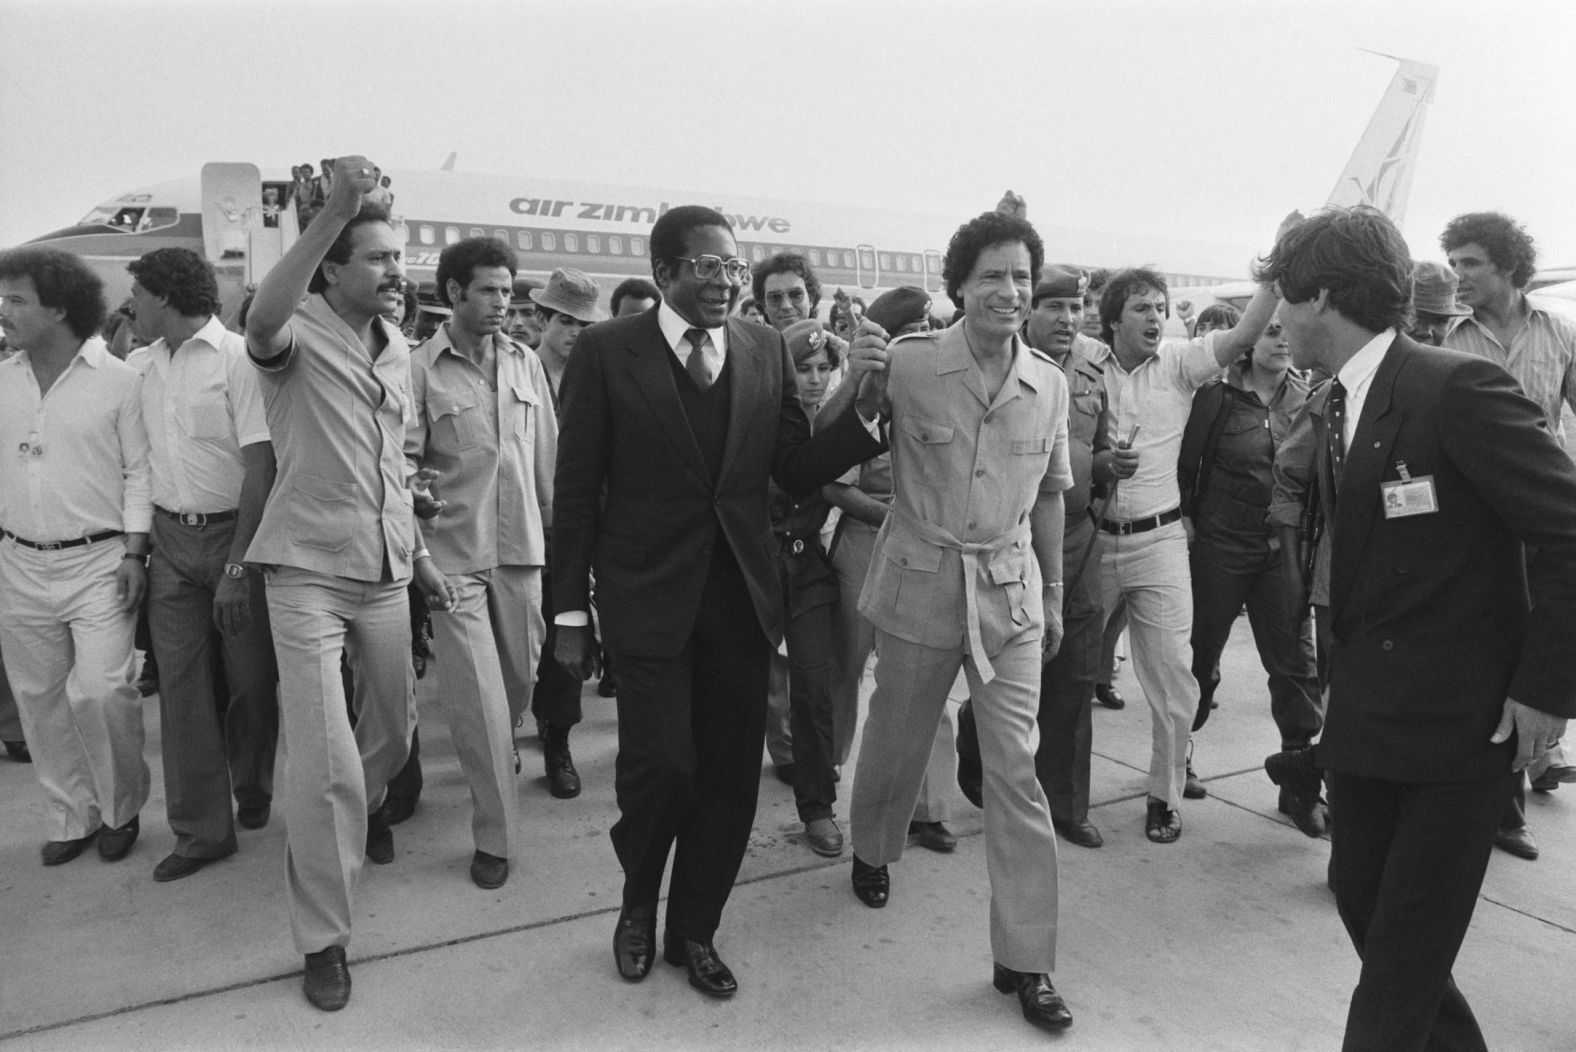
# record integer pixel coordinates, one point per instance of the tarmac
(1227, 939)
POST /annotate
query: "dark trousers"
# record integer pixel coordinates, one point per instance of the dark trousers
(809, 639)
(218, 704)
(556, 697)
(691, 727)
(1408, 872)
(1067, 684)
(1226, 576)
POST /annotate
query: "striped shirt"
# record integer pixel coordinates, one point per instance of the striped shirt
(1541, 356)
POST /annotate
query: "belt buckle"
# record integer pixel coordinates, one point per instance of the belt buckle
(798, 547)
(193, 518)
(49, 546)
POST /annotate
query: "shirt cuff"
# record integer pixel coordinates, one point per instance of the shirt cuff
(572, 619)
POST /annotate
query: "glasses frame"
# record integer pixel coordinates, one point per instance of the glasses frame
(708, 266)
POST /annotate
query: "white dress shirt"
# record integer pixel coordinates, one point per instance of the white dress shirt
(1357, 375)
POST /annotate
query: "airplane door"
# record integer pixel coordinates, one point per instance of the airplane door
(866, 272)
(244, 234)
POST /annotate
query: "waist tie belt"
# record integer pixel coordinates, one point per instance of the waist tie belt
(55, 546)
(971, 551)
(1154, 522)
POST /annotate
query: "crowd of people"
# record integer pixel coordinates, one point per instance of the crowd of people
(1365, 458)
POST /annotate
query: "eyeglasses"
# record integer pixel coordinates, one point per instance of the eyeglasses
(777, 299)
(709, 266)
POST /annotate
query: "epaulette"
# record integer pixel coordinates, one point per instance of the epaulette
(1043, 356)
(932, 334)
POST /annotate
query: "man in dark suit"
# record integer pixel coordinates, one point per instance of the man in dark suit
(1449, 667)
(671, 423)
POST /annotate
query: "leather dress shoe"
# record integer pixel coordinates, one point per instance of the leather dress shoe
(1518, 842)
(253, 816)
(1161, 824)
(174, 867)
(934, 836)
(1042, 1005)
(563, 781)
(19, 752)
(1298, 774)
(1310, 815)
(1079, 831)
(326, 981)
(1109, 696)
(635, 941)
(1546, 782)
(823, 836)
(380, 838)
(1192, 788)
(706, 971)
(971, 772)
(115, 844)
(397, 809)
(872, 884)
(489, 871)
(56, 852)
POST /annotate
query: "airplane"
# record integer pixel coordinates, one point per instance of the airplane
(243, 219)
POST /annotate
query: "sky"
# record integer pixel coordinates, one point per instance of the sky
(1189, 119)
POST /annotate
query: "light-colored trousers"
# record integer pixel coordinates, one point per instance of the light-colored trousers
(1150, 571)
(853, 641)
(912, 682)
(488, 647)
(334, 776)
(68, 654)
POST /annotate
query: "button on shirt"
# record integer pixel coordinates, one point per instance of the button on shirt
(494, 451)
(201, 406)
(1158, 394)
(74, 460)
(1541, 356)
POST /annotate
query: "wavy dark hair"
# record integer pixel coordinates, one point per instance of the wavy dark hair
(1121, 285)
(339, 251)
(458, 262)
(1506, 241)
(980, 233)
(181, 276)
(785, 263)
(62, 282)
(1355, 254)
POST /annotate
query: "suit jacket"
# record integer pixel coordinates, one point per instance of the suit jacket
(1438, 617)
(650, 538)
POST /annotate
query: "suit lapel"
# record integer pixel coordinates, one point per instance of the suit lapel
(1358, 500)
(748, 362)
(653, 377)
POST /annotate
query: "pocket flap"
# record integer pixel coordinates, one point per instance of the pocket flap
(322, 489)
(912, 553)
(1010, 565)
(927, 431)
(523, 393)
(1032, 445)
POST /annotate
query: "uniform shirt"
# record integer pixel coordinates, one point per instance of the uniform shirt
(201, 405)
(337, 416)
(966, 472)
(1157, 394)
(494, 450)
(1541, 356)
(1089, 422)
(74, 460)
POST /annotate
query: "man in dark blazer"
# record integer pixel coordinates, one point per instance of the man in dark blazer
(1450, 664)
(672, 421)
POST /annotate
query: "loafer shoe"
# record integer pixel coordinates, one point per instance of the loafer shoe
(872, 884)
(326, 981)
(971, 772)
(1041, 1004)
(380, 838)
(174, 867)
(635, 941)
(1161, 824)
(1192, 788)
(1518, 842)
(934, 836)
(489, 871)
(706, 971)
(1109, 696)
(1079, 831)
(1297, 771)
(253, 816)
(563, 781)
(1309, 815)
(56, 852)
(115, 844)
(823, 836)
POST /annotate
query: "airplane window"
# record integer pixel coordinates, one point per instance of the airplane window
(886, 261)
(848, 260)
(593, 244)
(815, 257)
(127, 218)
(477, 231)
(501, 235)
(425, 234)
(615, 245)
(451, 235)
(758, 253)
(914, 264)
(637, 246)
(523, 239)
(571, 243)
(157, 218)
(549, 242)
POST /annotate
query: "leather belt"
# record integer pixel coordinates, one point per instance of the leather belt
(1154, 522)
(196, 518)
(55, 546)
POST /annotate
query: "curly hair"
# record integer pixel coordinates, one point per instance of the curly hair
(786, 263)
(181, 276)
(458, 262)
(339, 251)
(978, 234)
(1355, 254)
(62, 281)
(1506, 241)
(1123, 284)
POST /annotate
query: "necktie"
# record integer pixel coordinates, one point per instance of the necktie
(696, 366)
(1335, 432)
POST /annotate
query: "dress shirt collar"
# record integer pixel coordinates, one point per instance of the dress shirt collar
(674, 327)
(1358, 372)
(93, 353)
(211, 332)
(442, 341)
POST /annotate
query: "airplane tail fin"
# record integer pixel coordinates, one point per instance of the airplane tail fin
(1379, 172)
(448, 165)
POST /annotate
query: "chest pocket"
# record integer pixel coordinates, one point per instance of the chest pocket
(208, 420)
(1031, 446)
(457, 424)
(927, 432)
(523, 407)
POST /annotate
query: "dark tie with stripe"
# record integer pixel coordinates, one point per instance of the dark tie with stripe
(1335, 432)
(696, 366)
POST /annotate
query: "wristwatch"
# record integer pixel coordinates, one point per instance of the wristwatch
(234, 571)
